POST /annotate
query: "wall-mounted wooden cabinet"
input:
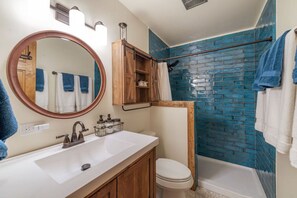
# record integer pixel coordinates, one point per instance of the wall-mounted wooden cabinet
(155, 96)
(129, 66)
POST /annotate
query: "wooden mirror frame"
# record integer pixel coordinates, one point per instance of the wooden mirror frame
(12, 77)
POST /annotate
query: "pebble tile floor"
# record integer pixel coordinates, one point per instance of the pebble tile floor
(204, 193)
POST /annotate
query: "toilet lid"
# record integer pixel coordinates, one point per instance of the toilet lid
(171, 170)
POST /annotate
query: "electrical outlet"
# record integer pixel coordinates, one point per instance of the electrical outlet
(30, 128)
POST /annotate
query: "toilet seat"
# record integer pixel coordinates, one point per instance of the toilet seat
(174, 180)
(172, 174)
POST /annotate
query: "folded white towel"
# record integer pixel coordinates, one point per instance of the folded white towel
(65, 101)
(293, 153)
(260, 111)
(164, 84)
(272, 115)
(83, 100)
(41, 98)
(288, 95)
(293, 107)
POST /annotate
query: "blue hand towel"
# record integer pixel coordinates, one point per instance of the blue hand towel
(272, 70)
(295, 70)
(8, 123)
(259, 71)
(68, 82)
(39, 80)
(3, 150)
(84, 84)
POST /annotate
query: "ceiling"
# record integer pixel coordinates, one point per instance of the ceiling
(175, 25)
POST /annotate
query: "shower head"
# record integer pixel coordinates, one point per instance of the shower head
(189, 4)
(174, 63)
(170, 66)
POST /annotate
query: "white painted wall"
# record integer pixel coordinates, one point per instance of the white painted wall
(74, 60)
(20, 18)
(286, 175)
(171, 126)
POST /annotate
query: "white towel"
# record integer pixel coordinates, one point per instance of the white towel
(275, 108)
(164, 84)
(83, 100)
(41, 97)
(272, 115)
(260, 111)
(65, 101)
(288, 95)
(293, 150)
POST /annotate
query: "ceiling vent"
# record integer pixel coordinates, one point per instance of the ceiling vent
(189, 4)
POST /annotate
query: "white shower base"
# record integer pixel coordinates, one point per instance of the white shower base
(229, 179)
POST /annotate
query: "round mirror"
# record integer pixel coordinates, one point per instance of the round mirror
(56, 74)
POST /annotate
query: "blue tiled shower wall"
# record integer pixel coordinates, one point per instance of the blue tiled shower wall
(157, 48)
(265, 154)
(220, 84)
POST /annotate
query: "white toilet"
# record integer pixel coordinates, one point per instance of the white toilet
(173, 178)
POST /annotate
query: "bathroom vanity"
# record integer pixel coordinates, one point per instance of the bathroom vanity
(137, 180)
(121, 165)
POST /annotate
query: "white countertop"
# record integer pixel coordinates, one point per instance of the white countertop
(21, 177)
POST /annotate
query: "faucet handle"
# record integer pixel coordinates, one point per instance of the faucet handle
(81, 136)
(73, 137)
(66, 139)
(84, 130)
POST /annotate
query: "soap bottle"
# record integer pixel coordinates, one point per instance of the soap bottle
(101, 126)
(117, 125)
(109, 125)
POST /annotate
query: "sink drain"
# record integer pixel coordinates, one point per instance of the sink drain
(85, 167)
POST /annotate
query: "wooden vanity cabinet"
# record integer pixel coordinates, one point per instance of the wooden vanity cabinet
(108, 191)
(137, 181)
(130, 65)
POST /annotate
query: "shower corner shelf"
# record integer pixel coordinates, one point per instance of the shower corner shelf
(129, 65)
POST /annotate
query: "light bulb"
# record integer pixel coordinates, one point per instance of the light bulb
(101, 30)
(76, 18)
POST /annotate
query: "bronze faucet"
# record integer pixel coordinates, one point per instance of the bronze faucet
(74, 139)
(80, 136)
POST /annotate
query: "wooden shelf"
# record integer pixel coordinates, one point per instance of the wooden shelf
(142, 87)
(141, 71)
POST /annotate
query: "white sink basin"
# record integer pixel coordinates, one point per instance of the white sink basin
(67, 164)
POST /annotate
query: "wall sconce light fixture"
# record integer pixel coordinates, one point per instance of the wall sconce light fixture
(76, 19)
(102, 31)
